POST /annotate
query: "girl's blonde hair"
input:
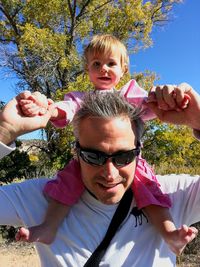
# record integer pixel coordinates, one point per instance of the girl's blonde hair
(105, 44)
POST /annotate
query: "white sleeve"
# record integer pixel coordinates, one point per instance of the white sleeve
(5, 150)
(22, 203)
(18, 205)
(8, 212)
(184, 191)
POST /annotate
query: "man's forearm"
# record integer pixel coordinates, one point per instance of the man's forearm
(6, 133)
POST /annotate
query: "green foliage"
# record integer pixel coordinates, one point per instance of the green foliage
(58, 150)
(42, 42)
(171, 149)
(46, 38)
(1, 104)
(146, 79)
(15, 165)
(8, 232)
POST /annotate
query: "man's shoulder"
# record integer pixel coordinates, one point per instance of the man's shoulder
(184, 192)
(23, 202)
(30, 187)
(171, 183)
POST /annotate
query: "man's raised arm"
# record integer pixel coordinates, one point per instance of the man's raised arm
(13, 123)
(189, 116)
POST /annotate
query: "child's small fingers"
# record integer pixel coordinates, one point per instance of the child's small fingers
(193, 230)
(159, 93)
(42, 111)
(50, 101)
(23, 102)
(151, 96)
(168, 96)
(180, 96)
(185, 102)
(27, 113)
(32, 98)
(29, 105)
(23, 95)
(40, 99)
(34, 111)
(30, 110)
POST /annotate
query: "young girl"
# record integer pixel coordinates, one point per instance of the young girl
(106, 61)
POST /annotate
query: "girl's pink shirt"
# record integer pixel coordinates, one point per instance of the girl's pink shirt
(132, 92)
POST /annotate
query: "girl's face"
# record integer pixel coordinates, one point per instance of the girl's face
(105, 71)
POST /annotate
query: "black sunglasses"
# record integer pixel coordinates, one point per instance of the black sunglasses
(98, 158)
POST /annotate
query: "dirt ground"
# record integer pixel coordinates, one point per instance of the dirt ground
(15, 255)
(24, 255)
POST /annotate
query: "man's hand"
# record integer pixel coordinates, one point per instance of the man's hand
(13, 123)
(33, 104)
(169, 97)
(189, 115)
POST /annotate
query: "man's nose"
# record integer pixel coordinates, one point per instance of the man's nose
(110, 171)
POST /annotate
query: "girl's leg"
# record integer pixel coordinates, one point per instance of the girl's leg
(46, 231)
(176, 238)
(66, 188)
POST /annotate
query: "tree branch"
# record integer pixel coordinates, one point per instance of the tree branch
(10, 19)
(82, 13)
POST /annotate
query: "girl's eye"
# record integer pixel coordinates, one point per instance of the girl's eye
(96, 64)
(111, 64)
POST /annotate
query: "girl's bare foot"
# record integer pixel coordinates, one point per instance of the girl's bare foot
(39, 233)
(179, 238)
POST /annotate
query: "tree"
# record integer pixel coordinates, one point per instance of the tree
(15, 166)
(41, 41)
(172, 149)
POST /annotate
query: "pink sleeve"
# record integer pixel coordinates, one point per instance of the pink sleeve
(146, 188)
(67, 187)
(135, 95)
(70, 105)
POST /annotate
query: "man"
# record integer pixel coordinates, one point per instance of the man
(88, 221)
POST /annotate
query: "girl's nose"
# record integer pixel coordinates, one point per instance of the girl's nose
(104, 68)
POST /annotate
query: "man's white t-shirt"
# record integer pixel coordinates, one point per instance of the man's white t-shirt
(136, 243)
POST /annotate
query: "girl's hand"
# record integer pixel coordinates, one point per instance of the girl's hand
(33, 104)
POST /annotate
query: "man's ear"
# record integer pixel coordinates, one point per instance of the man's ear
(75, 152)
(76, 157)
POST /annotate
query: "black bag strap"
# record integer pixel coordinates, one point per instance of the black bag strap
(118, 217)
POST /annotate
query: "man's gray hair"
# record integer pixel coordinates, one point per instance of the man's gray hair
(108, 105)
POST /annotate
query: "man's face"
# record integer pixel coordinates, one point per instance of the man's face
(107, 182)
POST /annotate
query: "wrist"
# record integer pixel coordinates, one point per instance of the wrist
(7, 133)
(54, 113)
(57, 114)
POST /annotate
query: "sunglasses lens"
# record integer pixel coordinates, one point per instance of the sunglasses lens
(99, 158)
(92, 158)
(124, 158)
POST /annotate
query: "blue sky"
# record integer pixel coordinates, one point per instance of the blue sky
(174, 56)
